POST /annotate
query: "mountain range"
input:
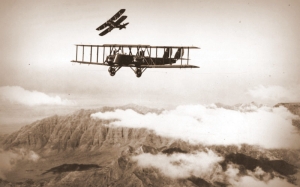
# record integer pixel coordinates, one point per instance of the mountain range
(77, 150)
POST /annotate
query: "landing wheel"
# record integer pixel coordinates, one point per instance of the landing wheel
(138, 72)
(112, 71)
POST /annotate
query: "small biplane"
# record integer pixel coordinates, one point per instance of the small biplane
(111, 23)
(136, 57)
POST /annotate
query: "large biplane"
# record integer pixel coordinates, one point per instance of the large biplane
(136, 57)
(111, 23)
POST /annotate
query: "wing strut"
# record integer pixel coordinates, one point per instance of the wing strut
(156, 55)
(83, 53)
(188, 56)
(103, 54)
(76, 51)
(91, 54)
(97, 53)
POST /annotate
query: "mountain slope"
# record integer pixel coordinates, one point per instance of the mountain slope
(77, 150)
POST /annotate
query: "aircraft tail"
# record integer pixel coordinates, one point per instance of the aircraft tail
(123, 26)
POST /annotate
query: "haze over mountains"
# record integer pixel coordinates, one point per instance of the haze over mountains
(193, 145)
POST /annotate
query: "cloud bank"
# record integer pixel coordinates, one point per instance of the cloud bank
(180, 165)
(276, 93)
(18, 95)
(248, 181)
(257, 178)
(206, 165)
(211, 125)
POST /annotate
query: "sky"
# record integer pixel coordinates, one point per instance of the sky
(249, 52)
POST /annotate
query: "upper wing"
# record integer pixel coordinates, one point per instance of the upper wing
(117, 15)
(105, 31)
(125, 45)
(182, 47)
(120, 20)
(149, 46)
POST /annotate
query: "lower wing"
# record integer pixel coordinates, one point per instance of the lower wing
(169, 66)
(106, 31)
(102, 26)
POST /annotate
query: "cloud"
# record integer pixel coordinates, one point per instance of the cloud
(205, 165)
(211, 125)
(260, 174)
(248, 181)
(17, 94)
(276, 93)
(6, 162)
(200, 164)
(254, 179)
(231, 174)
(28, 155)
(8, 159)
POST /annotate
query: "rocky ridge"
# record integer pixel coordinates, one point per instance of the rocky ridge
(75, 131)
(77, 140)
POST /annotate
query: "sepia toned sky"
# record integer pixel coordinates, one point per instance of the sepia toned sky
(249, 52)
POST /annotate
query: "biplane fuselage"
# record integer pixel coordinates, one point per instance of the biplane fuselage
(115, 25)
(139, 60)
(136, 60)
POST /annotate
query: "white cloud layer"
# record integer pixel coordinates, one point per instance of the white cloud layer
(210, 125)
(205, 165)
(254, 179)
(248, 181)
(18, 95)
(276, 93)
(200, 164)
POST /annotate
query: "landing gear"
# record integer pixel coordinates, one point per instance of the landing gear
(113, 70)
(138, 72)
